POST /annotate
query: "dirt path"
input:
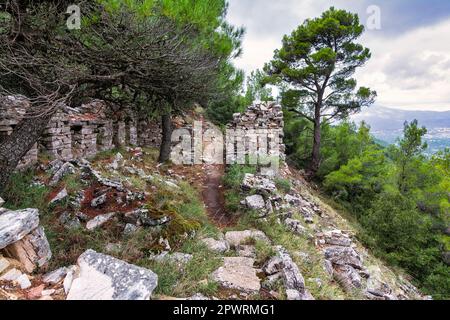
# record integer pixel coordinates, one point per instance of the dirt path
(213, 196)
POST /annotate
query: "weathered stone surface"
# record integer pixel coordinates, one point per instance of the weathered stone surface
(178, 258)
(235, 238)
(141, 217)
(60, 196)
(15, 225)
(98, 221)
(69, 222)
(238, 273)
(117, 162)
(101, 277)
(259, 184)
(343, 256)
(11, 275)
(295, 226)
(219, 246)
(255, 202)
(129, 229)
(446, 258)
(100, 200)
(4, 264)
(246, 251)
(337, 238)
(347, 277)
(273, 266)
(2, 202)
(33, 251)
(56, 276)
(65, 169)
(293, 279)
(23, 281)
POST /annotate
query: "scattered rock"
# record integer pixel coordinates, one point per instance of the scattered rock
(235, 238)
(60, 196)
(98, 221)
(23, 281)
(33, 251)
(446, 258)
(11, 275)
(347, 277)
(130, 229)
(180, 259)
(141, 217)
(283, 267)
(69, 222)
(68, 280)
(255, 202)
(337, 238)
(273, 266)
(56, 276)
(238, 273)
(198, 297)
(246, 251)
(218, 246)
(15, 225)
(295, 226)
(259, 184)
(343, 256)
(102, 277)
(117, 162)
(100, 200)
(65, 169)
(294, 295)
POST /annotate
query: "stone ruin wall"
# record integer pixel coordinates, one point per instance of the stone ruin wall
(266, 118)
(80, 132)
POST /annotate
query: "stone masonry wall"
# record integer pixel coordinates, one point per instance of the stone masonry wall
(79, 132)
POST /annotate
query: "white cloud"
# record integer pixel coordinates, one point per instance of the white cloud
(410, 70)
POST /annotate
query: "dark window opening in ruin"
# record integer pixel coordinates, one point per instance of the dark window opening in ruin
(76, 139)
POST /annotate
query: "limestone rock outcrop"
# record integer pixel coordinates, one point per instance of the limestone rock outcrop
(101, 277)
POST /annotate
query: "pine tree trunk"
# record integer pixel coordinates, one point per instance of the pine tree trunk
(315, 155)
(16, 146)
(165, 149)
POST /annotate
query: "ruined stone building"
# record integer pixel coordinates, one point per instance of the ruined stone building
(80, 132)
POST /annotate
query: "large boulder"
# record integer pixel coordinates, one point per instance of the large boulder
(255, 202)
(32, 251)
(344, 256)
(101, 277)
(15, 225)
(238, 273)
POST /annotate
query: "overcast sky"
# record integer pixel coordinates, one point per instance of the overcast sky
(410, 65)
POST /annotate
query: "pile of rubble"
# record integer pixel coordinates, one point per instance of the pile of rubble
(103, 200)
(266, 199)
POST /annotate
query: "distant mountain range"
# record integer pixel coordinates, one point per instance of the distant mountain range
(387, 124)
